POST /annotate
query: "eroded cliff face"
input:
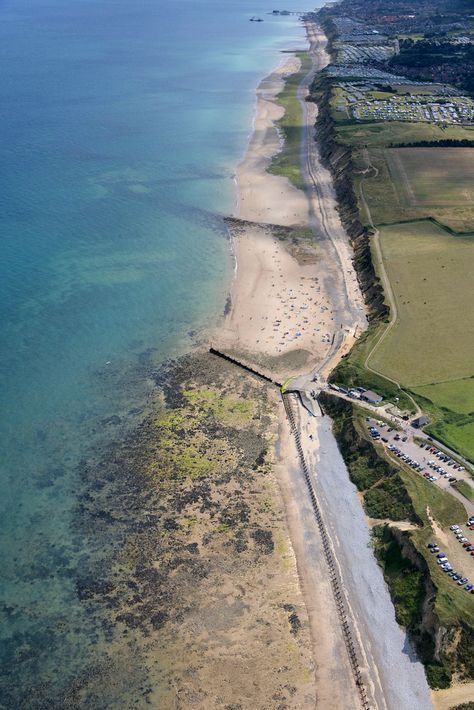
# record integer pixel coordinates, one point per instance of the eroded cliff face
(445, 650)
(338, 159)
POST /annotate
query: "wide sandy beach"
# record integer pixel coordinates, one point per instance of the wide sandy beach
(297, 311)
(281, 314)
(286, 309)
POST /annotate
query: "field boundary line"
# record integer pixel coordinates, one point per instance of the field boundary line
(387, 286)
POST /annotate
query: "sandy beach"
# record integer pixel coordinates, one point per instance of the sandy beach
(294, 309)
(281, 314)
(287, 306)
(298, 311)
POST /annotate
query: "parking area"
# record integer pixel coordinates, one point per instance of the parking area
(453, 547)
(454, 552)
(424, 458)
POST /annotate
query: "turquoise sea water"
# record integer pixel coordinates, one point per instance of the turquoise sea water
(121, 124)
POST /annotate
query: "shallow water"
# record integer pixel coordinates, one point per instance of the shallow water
(121, 125)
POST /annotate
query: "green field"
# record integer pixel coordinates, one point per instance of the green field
(411, 193)
(414, 183)
(465, 489)
(395, 132)
(288, 161)
(440, 177)
(458, 395)
(433, 283)
(457, 436)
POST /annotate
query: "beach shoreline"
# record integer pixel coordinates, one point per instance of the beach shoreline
(295, 305)
(280, 316)
(287, 309)
(296, 310)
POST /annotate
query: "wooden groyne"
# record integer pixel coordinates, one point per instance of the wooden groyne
(242, 365)
(334, 578)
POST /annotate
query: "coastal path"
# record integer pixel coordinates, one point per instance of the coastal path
(336, 254)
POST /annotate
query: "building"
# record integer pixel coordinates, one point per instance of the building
(371, 397)
(420, 422)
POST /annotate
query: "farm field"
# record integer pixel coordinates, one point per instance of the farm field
(439, 177)
(431, 276)
(414, 183)
(395, 132)
(458, 395)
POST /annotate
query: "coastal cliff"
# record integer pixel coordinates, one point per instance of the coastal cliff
(338, 159)
(442, 646)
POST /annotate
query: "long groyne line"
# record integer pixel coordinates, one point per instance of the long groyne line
(252, 370)
(335, 581)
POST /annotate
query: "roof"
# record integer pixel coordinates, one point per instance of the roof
(368, 394)
(420, 421)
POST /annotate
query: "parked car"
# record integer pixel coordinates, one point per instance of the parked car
(454, 527)
(468, 587)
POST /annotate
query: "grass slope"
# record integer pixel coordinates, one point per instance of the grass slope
(288, 162)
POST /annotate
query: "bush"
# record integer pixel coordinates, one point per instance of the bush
(389, 499)
(438, 676)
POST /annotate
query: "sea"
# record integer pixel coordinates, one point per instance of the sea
(121, 126)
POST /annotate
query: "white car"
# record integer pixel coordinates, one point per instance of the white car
(454, 527)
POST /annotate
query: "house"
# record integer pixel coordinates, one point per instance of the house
(371, 397)
(420, 422)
